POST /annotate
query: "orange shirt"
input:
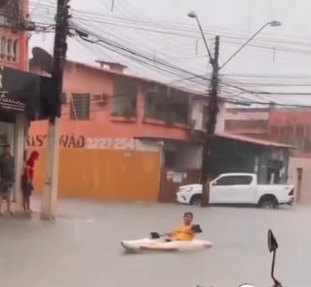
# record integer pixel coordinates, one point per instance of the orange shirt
(183, 232)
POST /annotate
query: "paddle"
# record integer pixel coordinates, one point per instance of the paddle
(195, 228)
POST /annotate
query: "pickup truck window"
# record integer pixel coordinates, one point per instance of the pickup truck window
(234, 180)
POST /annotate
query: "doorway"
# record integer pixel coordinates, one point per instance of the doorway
(7, 134)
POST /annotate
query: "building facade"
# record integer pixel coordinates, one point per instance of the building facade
(13, 49)
(119, 132)
(13, 59)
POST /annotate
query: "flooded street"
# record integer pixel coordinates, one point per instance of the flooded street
(82, 247)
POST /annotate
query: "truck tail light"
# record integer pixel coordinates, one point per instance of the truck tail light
(292, 192)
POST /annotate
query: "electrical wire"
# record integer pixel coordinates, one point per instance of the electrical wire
(146, 59)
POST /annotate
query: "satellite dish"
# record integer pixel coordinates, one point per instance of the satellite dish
(43, 59)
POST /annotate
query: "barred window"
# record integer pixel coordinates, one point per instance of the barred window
(80, 107)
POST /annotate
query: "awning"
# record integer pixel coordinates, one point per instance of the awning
(22, 92)
(172, 140)
(240, 138)
(253, 140)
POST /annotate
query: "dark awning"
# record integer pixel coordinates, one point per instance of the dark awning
(22, 92)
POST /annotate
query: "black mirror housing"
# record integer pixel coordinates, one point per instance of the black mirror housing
(272, 243)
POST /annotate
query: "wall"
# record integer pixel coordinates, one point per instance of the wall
(189, 157)
(104, 173)
(292, 127)
(305, 164)
(199, 117)
(220, 124)
(247, 121)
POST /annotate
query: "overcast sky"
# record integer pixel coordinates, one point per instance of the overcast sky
(280, 51)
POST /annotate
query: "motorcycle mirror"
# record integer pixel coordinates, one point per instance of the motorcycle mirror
(272, 243)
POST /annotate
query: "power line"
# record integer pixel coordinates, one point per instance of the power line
(184, 30)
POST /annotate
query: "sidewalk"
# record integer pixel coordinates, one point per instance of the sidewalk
(14, 208)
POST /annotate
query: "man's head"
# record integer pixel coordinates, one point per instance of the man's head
(34, 155)
(6, 149)
(188, 217)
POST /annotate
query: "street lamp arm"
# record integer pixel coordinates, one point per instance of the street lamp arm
(205, 42)
(245, 44)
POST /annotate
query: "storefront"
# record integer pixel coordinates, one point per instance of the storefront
(23, 98)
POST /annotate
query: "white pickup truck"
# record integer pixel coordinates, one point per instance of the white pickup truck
(238, 188)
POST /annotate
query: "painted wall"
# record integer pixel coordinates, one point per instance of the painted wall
(292, 127)
(248, 121)
(199, 116)
(305, 164)
(104, 173)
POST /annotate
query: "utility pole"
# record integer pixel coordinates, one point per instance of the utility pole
(212, 111)
(206, 174)
(49, 198)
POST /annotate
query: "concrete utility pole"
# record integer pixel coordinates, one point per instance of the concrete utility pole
(49, 198)
(212, 109)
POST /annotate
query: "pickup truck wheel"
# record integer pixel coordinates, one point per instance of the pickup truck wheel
(196, 200)
(269, 202)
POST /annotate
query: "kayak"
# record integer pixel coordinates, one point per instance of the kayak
(147, 244)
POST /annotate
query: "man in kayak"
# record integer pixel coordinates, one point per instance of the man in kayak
(185, 231)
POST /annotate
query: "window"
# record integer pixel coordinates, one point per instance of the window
(3, 48)
(80, 107)
(9, 50)
(15, 52)
(234, 180)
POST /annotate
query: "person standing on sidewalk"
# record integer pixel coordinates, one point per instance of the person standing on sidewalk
(27, 180)
(7, 174)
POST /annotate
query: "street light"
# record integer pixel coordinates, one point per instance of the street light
(193, 15)
(273, 23)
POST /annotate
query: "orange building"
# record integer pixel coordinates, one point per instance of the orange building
(119, 132)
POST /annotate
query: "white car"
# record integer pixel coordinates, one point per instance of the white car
(238, 188)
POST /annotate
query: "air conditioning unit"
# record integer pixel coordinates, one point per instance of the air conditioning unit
(100, 99)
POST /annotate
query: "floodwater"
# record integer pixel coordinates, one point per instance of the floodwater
(81, 248)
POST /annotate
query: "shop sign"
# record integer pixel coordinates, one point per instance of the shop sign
(66, 141)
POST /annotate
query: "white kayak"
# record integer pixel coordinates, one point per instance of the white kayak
(147, 244)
